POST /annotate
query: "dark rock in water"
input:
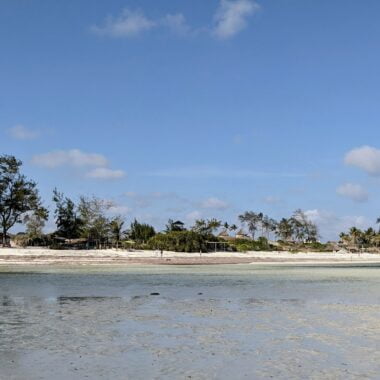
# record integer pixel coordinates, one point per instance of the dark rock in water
(154, 294)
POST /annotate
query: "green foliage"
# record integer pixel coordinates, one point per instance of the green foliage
(244, 245)
(180, 241)
(140, 232)
(96, 225)
(252, 220)
(69, 225)
(116, 226)
(35, 223)
(174, 226)
(206, 227)
(18, 195)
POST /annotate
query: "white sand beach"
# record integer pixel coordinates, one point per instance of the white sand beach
(120, 257)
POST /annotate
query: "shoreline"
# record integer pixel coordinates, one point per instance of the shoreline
(113, 257)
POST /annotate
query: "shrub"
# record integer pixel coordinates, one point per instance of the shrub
(244, 245)
(180, 241)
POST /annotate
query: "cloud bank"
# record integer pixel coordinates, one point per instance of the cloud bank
(231, 17)
(20, 132)
(127, 24)
(94, 164)
(353, 191)
(365, 158)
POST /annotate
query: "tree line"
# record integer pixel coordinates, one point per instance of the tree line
(89, 221)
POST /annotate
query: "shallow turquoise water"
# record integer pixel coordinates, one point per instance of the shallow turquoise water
(208, 322)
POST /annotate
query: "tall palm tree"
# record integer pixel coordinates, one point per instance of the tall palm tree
(233, 227)
(369, 235)
(251, 219)
(268, 225)
(116, 225)
(378, 222)
(355, 234)
(285, 229)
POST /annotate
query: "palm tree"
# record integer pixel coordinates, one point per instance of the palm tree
(205, 227)
(369, 236)
(268, 225)
(233, 227)
(285, 229)
(251, 219)
(355, 234)
(213, 224)
(116, 225)
(378, 222)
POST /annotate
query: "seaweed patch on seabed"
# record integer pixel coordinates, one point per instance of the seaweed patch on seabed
(65, 299)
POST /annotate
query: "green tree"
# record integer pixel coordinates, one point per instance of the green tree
(140, 232)
(303, 228)
(355, 234)
(206, 227)
(268, 225)
(93, 213)
(174, 226)
(378, 222)
(285, 229)
(69, 225)
(18, 195)
(233, 227)
(116, 227)
(35, 223)
(252, 220)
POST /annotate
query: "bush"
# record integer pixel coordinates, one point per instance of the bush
(180, 241)
(244, 245)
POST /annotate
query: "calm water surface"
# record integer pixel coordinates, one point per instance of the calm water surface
(208, 322)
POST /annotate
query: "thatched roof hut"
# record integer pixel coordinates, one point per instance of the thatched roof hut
(241, 234)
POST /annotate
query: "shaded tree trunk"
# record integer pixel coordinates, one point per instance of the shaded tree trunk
(5, 243)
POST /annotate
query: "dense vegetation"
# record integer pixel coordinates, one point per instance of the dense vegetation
(90, 224)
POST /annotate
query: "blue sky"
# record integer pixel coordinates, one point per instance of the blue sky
(197, 108)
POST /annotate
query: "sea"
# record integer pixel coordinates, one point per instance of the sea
(190, 322)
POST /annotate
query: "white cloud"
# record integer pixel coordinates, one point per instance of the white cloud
(192, 216)
(127, 24)
(272, 200)
(231, 17)
(331, 225)
(105, 173)
(176, 23)
(117, 209)
(21, 132)
(366, 158)
(353, 191)
(214, 203)
(90, 165)
(73, 158)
